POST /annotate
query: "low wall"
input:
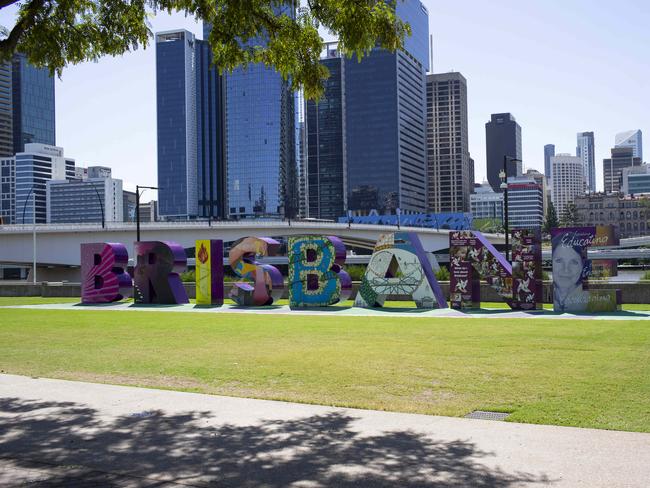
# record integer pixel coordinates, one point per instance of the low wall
(631, 292)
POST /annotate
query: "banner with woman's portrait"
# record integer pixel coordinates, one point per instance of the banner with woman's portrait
(571, 271)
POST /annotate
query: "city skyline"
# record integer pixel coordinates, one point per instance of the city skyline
(522, 80)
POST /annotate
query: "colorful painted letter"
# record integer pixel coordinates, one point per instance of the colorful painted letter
(268, 284)
(399, 266)
(472, 257)
(571, 271)
(103, 275)
(156, 272)
(316, 278)
(209, 272)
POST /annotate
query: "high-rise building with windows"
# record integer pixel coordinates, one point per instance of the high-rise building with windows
(8, 190)
(636, 180)
(85, 201)
(585, 150)
(177, 124)
(525, 203)
(568, 181)
(6, 111)
(502, 138)
(549, 152)
(33, 104)
(326, 152)
(633, 139)
(259, 130)
(35, 166)
(385, 122)
(621, 158)
(450, 176)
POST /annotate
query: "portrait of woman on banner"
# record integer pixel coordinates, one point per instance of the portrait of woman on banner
(570, 269)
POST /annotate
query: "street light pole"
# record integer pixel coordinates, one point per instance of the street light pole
(137, 206)
(34, 240)
(504, 186)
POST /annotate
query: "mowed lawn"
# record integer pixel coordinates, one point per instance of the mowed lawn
(584, 373)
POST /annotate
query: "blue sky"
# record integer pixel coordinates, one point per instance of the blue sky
(559, 66)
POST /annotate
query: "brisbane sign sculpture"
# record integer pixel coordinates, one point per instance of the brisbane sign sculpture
(316, 278)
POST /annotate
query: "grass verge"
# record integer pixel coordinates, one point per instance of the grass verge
(563, 372)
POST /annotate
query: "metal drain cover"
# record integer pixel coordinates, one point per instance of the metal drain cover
(484, 415)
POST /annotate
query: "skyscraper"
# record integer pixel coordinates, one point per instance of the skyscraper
(326, 161)
(260, 152)
(549, 152)
(177, 124)
(450, 176)
(633, 139)
(6, 111)
(621, 158)
(502, 138)
(568, 180)
(585, 150)
(385, 122)
(33, 104)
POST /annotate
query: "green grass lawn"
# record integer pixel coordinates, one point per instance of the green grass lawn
(564, 372)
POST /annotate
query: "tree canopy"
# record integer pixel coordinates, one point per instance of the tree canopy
(57, 33)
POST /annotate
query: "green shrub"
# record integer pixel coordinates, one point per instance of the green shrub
(646, 276)
(442, 274)
(356, 271)
(188, 276)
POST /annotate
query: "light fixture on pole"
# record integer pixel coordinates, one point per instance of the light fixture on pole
(503, 174)
(137, 206)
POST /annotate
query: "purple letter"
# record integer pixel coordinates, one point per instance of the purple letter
(103, 278)
(156, 272)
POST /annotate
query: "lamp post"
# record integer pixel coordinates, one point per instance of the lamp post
(33, 194)
(101, 205)
(504, 186)
(137, 206)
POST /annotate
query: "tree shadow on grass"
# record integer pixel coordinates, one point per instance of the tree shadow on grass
(70, 445)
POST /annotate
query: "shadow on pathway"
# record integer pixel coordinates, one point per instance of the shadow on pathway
(75, 446)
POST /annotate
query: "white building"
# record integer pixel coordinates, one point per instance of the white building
(486, 203)
(636, 180)
(633, 139)
(37, 165)
(568, 180)
(84, 201)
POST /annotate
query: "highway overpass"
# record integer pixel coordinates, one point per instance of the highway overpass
(58, 244)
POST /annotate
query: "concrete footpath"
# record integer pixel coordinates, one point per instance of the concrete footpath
(73, 434)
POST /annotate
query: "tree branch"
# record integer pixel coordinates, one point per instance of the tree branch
(26, 22)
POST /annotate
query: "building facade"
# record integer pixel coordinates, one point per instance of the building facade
(33, 104)
(486, 203)
(326, 151)
(540, 179)
(177, 124)
(585, 150)
(631, 215)
(525, 204)
(35, 166)
(636, 180)
(633, 139)
(6, 111)
(385, 123)
(621, 158)
(568, 181)
(8, 190)
(502, 138)
(84, 201)
(549, 152)
(450, 174)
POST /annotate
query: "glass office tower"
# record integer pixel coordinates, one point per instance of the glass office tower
(259, 134)
(33, 104)
(385, 123)
(177, 124)
(326, 163)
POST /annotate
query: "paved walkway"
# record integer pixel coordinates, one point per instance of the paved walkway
(343, 311)
(62, 433)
